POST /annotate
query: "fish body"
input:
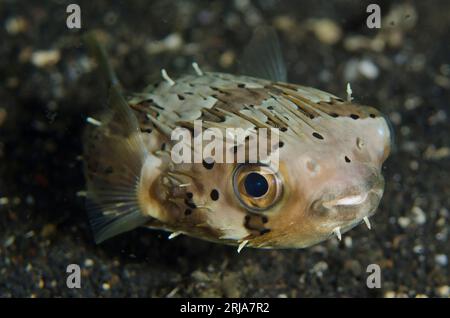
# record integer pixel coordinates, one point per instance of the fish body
(327, 179)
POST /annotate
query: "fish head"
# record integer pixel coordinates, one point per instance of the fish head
(329, 179)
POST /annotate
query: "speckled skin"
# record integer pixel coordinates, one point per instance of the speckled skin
(331, 149)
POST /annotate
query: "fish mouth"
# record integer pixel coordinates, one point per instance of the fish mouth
(346, 212)
(350, 200)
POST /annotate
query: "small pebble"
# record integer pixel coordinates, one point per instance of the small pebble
(413, 102)
(368, 69)
(439, 117)
(348, 241)
(9, 241)
(355, 68)
(172, 42)
(43, 59)
(404, 222)
(48, 230)
(414, 165)
(88, 262)
(434, 153)
(443, 291)
(389, 294)
(418, 215)
(16, 25)
(418, 249)
(327, 31)
(441, 259)
(106, 286)
(227, 59)
(319, 268)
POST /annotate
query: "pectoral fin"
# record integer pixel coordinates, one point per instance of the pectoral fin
(114, 155)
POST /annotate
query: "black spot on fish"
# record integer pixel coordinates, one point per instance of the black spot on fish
(187, 212)
(180, 97)
(264, 219)
(189, 195)
(157, 106)
(208, 165)
(280, 144)
(241, 85)
(347, 159)
(262, 232)
(190, 204)
(146, 130)
(317, 135)
(214, 195)
(354, 116)
(334, 115)
(283, 129)
(372, 116)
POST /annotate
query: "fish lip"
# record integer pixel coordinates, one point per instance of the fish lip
(354, 199)
(347, 200)
(374, 194)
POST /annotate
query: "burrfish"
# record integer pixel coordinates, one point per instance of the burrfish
(328, 176)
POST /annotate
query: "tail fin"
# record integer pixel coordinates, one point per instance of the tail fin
(114, 155)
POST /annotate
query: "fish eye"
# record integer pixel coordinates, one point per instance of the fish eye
(257, 186)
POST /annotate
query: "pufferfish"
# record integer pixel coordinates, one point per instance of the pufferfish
(331, 153)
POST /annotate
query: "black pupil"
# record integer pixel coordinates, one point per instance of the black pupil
(256, 185)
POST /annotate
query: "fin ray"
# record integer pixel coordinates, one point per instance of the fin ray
(263, 58)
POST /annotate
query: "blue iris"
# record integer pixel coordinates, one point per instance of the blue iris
(256, 185)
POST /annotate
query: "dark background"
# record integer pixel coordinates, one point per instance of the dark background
(49, 85)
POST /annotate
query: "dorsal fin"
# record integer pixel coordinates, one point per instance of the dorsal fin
(263, 58)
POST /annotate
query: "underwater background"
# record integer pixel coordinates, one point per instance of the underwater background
(49, 85)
